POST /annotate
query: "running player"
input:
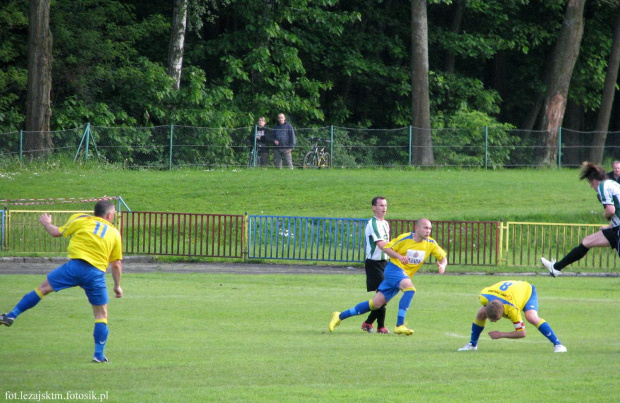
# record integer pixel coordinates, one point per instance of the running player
(95, 243)
(608, 193)
(407, 253)
(377, 235)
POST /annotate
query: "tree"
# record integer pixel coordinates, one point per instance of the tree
(558, 77)
(38, 104)
(420, 98)
(177, 41)
(604, 113)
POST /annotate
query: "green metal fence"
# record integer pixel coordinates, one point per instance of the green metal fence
(167, 147)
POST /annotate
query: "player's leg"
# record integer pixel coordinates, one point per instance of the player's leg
(30, 300)
(531, 315)
(403, 306)
(476, 330)
(92, 280)
(363, 307)
(58, 279)
(101, 332)
(374, 277)
(602, 238)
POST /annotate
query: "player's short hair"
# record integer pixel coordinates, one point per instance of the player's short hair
(592, 172)
(494, 309)
(376, 199)
(103, 207)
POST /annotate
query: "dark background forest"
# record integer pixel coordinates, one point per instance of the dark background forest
(351, 63)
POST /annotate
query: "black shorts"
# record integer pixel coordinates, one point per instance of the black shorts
(374, 273)
(612, 236)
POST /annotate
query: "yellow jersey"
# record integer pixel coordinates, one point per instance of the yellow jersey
(513, 294)
(416, 252)
(92, 239)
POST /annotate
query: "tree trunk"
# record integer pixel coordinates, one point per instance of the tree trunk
(563, 61)
(604, 114)
(177, 41)
(37, 139)
(420, 99)
(455, 27)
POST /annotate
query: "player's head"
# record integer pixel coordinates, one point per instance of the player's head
(494, 310)
(423, 227)
(592, 173)
(104, 208)
(379, 206)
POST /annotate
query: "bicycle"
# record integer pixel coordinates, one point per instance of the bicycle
(317, 157)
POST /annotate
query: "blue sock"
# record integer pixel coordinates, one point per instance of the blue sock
(546, 331)
(403, 306)
(359, 309)
(476, 330)
(28, 301)
(101, 337)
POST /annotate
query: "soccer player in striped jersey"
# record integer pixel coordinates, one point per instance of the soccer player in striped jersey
(377, 235)
(94, 244)
(407, 253)
(507, 299)
(608, 193)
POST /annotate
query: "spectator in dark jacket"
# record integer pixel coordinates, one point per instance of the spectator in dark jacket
(283, 136)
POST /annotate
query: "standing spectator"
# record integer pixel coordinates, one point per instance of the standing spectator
(262, 141)
(407, 254)
(615, 171)
(507, 299)
(284, 142)
(608, 193)
(94, 244)
(377, 235)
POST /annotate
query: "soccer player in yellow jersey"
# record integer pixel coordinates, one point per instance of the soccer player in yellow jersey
(94, 244)
(407, 253)
(507, 299)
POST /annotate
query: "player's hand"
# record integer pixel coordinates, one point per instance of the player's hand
(442, 268)
(403, 259)
(45, 219)
(118, 291)
(495, 335)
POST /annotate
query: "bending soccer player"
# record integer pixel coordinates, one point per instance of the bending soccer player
(95, 243)
(407, 253)
(608, 193)
(507, 299)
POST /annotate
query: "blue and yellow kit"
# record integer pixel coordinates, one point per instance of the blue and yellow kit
(513, 294)
(93, 239)
(416, 252)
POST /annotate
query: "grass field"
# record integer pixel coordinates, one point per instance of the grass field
(226, 337)
(443, 194)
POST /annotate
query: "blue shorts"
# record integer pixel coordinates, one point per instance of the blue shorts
(78, 272)
(532, 303)
(390, 286)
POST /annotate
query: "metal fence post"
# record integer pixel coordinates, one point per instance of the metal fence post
(170, 152)
(560, 147)
(486, 147)
(410, 142)
(331, 145)
(87, 134)
(21, 145)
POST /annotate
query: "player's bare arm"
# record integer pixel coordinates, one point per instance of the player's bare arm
(393, 254)
(117, 271)
(442, 264)
(516, 334)
(46, 221)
